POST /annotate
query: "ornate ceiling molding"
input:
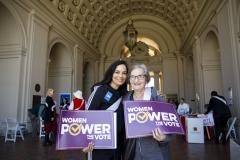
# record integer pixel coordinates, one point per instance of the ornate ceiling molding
(93, 18)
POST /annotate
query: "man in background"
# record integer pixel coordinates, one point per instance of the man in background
(221, 114)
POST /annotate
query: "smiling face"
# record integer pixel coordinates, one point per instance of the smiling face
(138, 79)
(119, 76)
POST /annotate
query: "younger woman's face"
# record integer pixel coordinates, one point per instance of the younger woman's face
(119, 76)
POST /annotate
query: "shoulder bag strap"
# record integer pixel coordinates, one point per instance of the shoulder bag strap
(115, 105)
(91, 96)
(220, 99)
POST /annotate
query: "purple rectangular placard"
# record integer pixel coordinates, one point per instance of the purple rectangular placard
(141, 117)
(78, 128)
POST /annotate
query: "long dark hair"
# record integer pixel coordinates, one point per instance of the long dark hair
(109, 74)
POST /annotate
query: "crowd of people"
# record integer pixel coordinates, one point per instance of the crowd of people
(109, 94)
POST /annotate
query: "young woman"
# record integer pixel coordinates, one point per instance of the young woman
(106, 95)
(154, 147)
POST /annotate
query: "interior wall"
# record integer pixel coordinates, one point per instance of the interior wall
(88, 81)
(10, 64)
(60, 70)
(170, 75)
(10, 33)
(227, 43)
(189, 83)
(9, 88)
(212, 72)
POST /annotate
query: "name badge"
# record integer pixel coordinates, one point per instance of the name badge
(108, 96)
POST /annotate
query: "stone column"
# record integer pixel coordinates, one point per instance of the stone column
(180, 75)
(198, 75)
(156, 81)
(101, 67)
(78, 68)
(89, 77)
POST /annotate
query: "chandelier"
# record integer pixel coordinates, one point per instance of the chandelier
(130, 35)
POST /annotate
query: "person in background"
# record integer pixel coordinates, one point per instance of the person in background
(172, 102)
(65, 104)
(49, 117)
(155, 147)
(183, 108)
(78, 103)
(107, 95)
(221, 114)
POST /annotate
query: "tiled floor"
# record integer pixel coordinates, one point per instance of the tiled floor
(32, 149)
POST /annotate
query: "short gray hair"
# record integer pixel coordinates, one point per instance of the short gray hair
(144, 68)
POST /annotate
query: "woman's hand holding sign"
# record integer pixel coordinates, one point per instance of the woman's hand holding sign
(89, 148)
(158, 135)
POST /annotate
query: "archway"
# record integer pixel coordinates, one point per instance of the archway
(12, 59)
(211, 62)
(60, 70)
(147, 52)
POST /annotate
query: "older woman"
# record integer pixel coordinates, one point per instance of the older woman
(156, 146)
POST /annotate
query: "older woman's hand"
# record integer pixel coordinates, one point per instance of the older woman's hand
(89, 148)
(158, 135)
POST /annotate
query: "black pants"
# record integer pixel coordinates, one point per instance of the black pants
(220, 127)
(106, 154)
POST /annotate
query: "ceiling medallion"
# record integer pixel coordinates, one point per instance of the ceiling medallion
(77, 23)
(75, 2)
(83, 30)
(70, 15)
(83, 9)
(61, 5)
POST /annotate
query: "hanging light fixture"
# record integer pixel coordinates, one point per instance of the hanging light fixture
(130, 35)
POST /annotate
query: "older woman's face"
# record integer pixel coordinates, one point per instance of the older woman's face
(137, 79)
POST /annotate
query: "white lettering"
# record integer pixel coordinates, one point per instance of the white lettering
(74, 120)
(97, 129)
(87, 129)
(106, 128)
(140, 109)
(64, 128)
(131, 117)
(102, 136)
(165, 116)
(172, 117)
(154, 116)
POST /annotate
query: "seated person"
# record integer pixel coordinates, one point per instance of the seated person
(183, 108)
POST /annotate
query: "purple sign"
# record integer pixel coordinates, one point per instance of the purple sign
(78, 128)
(141, 117)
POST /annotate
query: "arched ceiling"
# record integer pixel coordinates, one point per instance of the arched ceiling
(93, 18)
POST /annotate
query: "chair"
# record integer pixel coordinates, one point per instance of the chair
(41, 128)
(41, 125)
(12, 130)
(231, 129)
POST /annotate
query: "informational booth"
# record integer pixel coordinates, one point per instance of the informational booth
(194, 130)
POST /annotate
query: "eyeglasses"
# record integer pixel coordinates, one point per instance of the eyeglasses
(138, 77)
